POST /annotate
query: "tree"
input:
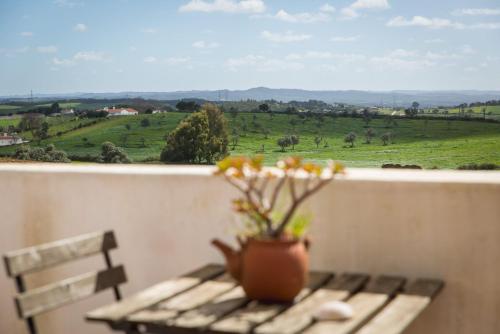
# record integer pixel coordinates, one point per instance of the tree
(233, 112)
(188, 106)
(386, 137)
(266, 132)
(264, 107)
(415, 105)
(41, 133)
(201, 137)
(318, 140)
(145, 122)
(113, 154)
(54, 108)
(217, 133)
(284, 142)
(235, 139)
(369, 134)
(350, 138)
(294, 140)
(186, 143)
(30, 122)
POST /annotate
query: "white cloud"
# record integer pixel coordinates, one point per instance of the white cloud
(79, 57)
(438, 23)
(26, 34)
(89, 56)
(149, 30)
(402, 53)
(345, 38)
(467, 50)
(420, 21)
(352, 11)
(434, 41)
(13, 52)
(63, 62)
(287, 37)
(205, 45)
(349, 13)
(327, 8)
(398, 64)
(476, 11)
(149, 59)
(370, 4)
(283, 15)
(46, 49)
(67, 3)
(176, 60)
(485, 26)
(441, 55)
(226, 6)
(262, 64)
(344, 57)
(80, 27)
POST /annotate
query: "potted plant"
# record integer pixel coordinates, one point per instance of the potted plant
(273, 262)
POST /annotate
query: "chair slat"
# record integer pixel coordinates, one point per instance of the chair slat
(299, 316)
(365, 304)
(398, 315)
(154, 294)
(245, 319)
(51, 296)
(40, 257)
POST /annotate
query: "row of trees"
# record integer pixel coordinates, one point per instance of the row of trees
(386, 137)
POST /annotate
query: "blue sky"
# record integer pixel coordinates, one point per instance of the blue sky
(63, 46)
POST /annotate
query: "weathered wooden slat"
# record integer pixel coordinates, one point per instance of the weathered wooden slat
(207, 314)
(396, 316)
(187, 300)
(39, 257)
(51, 296)
(199, 295)
(154, 294)
(365, 304)
(245, 319)
(299, 316)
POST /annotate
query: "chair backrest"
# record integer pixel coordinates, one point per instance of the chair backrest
(32, 259)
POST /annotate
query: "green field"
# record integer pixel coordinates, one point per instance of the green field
(435, 143)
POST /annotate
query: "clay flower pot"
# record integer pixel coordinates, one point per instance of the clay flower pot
(269, 270)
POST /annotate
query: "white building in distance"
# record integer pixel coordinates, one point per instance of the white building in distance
(9, 139)
(120, 111)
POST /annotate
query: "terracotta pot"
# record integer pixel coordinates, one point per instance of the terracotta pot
(269, 270)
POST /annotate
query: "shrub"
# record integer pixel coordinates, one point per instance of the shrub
(110, 153)
(483, 166)
(47, 154)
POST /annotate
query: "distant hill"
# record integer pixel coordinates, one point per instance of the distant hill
(357, 97)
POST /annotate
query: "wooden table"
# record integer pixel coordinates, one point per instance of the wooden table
(208, 301)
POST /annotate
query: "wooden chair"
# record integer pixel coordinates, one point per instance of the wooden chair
(30, 303)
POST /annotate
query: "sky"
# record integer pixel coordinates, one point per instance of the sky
(67, 46)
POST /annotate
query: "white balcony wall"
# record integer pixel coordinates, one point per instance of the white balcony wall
(435, 224)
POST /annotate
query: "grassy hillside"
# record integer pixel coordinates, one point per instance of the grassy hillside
(435, 143)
